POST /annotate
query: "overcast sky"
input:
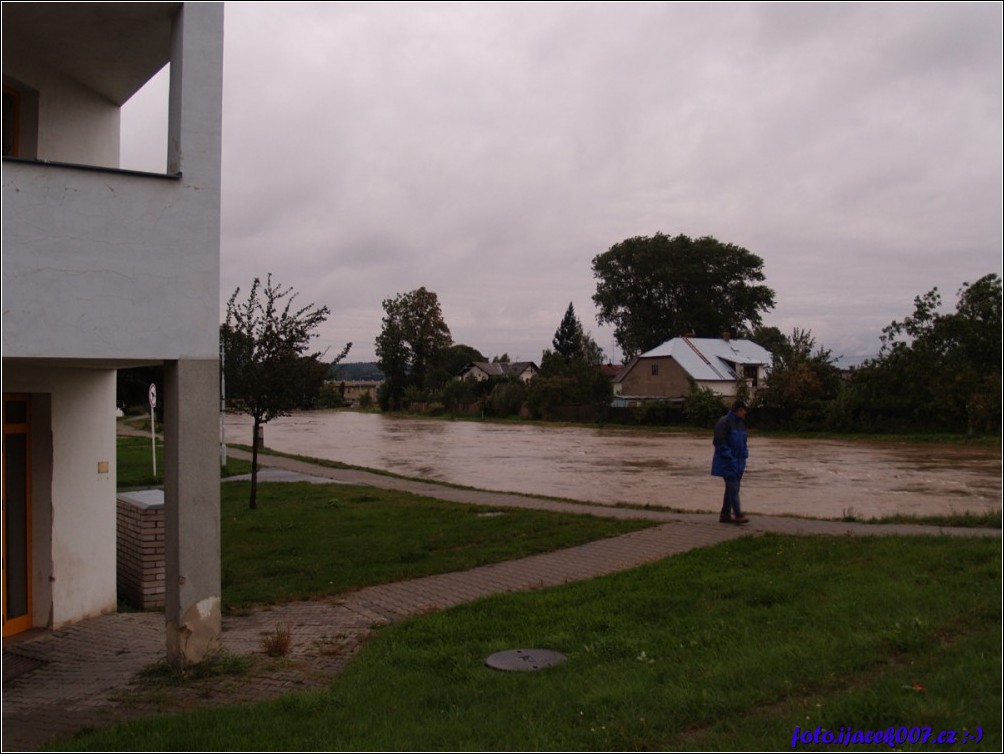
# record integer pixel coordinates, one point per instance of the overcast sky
(489, 151)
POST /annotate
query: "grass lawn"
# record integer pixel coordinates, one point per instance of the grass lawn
(724, 648)
(306, 540)
(134, 464)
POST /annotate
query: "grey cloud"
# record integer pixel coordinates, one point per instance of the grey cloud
(490, 151)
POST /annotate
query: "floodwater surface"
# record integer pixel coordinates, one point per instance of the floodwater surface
(816, 478)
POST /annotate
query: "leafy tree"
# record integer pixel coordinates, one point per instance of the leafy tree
(457, 356)
(133, 385)
(506, 398)
(803, 379)
(459, 393)
(332, 395)
(566, 384)
(655, 288)
(771, 338)
(703, 406)
(411, 343)
(570, 375)
(937, 370)
(268, 372)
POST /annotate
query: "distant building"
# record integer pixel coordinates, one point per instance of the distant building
(498, 370)
(668, 372)
(105, 269)
(356, 389)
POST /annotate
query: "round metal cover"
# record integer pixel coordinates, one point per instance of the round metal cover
(524, 659)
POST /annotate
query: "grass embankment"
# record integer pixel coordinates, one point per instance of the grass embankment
(726, 648)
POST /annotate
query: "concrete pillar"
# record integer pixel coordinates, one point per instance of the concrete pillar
(195, 102)
(192, 509)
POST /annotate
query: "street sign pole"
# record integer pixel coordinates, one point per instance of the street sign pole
(153, 428)
(223, 407)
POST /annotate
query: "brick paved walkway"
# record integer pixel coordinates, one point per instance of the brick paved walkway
(83, 676)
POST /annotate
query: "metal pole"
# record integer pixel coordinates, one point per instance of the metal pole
(223, 406)
(153, 443)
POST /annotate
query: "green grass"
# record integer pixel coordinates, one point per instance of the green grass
(306, 541)
(223, 665)
(724, 648)
(134, 464)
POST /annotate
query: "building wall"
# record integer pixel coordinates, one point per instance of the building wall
(106, 269)
(670, 382)
(73, 516)
(726, 389)
(127, 268)
(74, 124)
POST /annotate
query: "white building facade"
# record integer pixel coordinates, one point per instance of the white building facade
(106, 269)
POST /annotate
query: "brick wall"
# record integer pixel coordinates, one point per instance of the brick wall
(141, 548)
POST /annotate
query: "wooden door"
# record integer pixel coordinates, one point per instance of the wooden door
(16, 515)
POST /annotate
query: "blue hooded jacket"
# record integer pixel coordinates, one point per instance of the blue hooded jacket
(731, 452)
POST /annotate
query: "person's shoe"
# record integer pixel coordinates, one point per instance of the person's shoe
(740, 519)
(726, 519)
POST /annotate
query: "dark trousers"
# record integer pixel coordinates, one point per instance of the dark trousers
(730, 503)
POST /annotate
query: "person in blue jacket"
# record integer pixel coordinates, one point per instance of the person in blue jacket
(729, 461)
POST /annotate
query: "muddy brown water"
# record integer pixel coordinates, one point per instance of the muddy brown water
(817, 478)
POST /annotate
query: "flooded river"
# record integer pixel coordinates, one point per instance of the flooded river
(818, 478)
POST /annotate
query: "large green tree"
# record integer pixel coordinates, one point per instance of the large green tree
(655, 288)
(268, 370)
(938, 370)
(411, 343)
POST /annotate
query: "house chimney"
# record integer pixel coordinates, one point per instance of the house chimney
(726, 336)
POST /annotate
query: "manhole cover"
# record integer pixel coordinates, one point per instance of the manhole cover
(524, 659)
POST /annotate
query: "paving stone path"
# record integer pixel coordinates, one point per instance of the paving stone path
(84, 676)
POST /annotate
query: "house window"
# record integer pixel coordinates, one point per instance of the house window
(655, 370)
(750, 372)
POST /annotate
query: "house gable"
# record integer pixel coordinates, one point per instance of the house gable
(657, 376)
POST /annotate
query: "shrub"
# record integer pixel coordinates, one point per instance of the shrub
(703, 407)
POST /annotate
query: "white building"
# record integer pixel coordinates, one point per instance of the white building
(106, 269)
(670, 371)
